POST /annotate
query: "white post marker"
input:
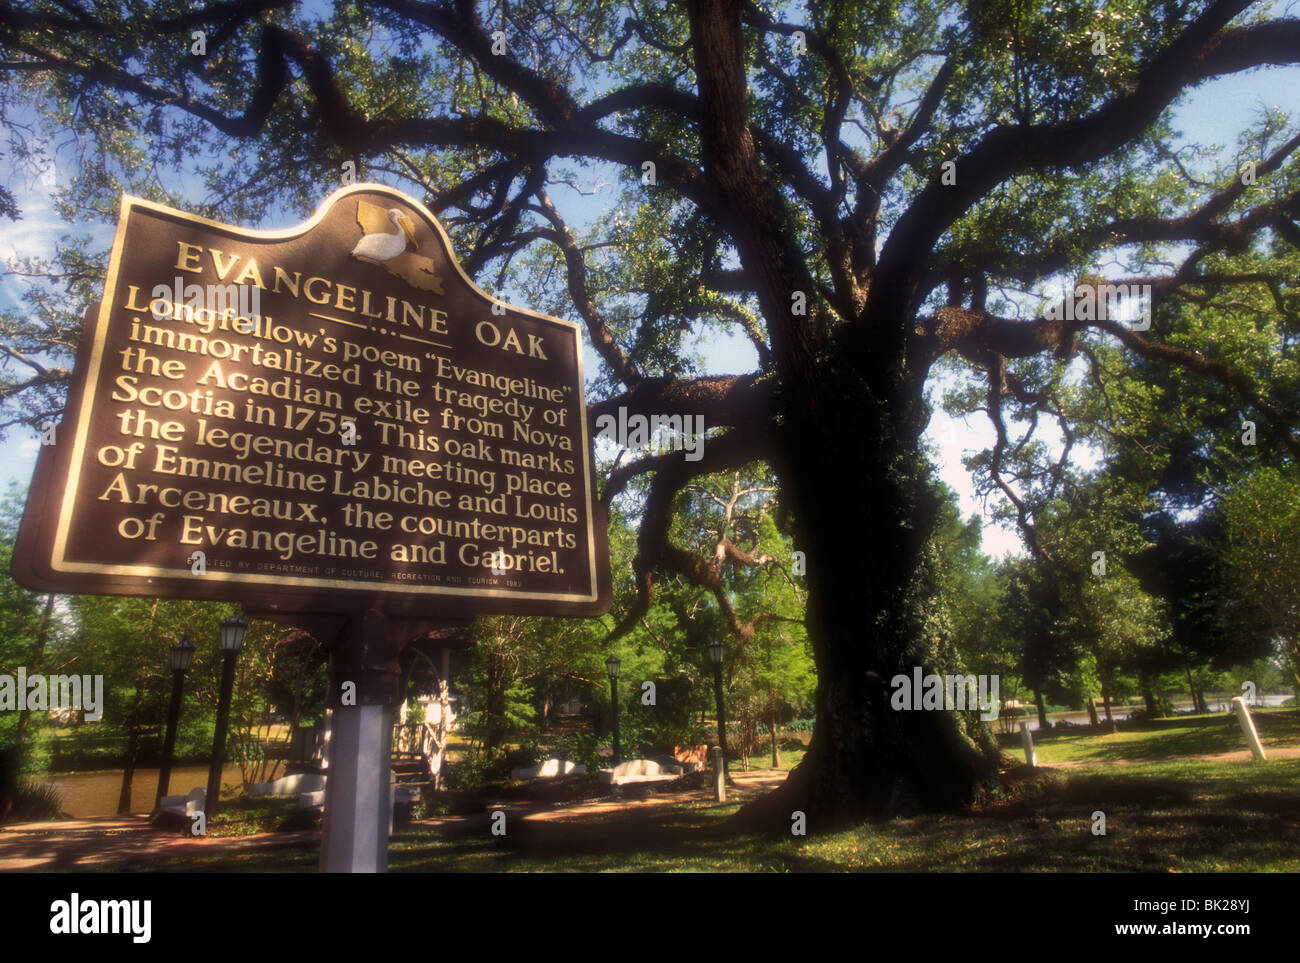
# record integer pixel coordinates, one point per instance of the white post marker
(357, 802)
(1027, 738)
(719, 777)
(1248, 727)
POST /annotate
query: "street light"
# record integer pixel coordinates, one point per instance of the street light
(233, 631)
(182, 657)
(230, 641)
(716, 652)
(612, 665)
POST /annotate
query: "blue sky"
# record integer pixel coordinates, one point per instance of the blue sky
(1212, 115)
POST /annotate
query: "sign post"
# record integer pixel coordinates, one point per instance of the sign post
(333, 426)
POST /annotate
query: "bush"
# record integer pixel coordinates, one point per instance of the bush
(35, 801)
(798, 725)
(581, 747)
(476, 769)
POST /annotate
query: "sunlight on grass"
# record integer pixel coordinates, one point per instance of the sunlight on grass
(1162, 815)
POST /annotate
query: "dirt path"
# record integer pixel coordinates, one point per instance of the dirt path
(88, 844)
(747, 786)
(103, 841)
(111, 841)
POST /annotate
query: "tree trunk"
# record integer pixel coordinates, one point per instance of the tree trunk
(1043, 724)
(1105, 702)
(776, 755)
(543, 708)
(1198, 700)
(38, 658)
(1148, 695)
(864, 510)
(496, 703)
(132, 747)
(1092, 712)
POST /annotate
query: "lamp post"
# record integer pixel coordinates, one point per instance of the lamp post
(612, 665)
(716, 651)
(231, 641)
(182, 657)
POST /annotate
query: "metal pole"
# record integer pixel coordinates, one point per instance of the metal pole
(1248, 727)
(219, 743)
(1027, 740)
(169, 743)
(364, 681)
(613, 699)
(722, 718)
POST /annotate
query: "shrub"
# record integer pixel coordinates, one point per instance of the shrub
(583, 747)
(35, 801)
(476, 769)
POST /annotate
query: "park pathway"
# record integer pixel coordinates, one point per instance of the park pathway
(99, 842)
(110, 842)
(118, 842)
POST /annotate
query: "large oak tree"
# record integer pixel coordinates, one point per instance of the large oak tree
(860, 188)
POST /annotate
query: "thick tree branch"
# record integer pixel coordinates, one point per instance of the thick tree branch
(1203, 50)
(723, 400)
(579, 290)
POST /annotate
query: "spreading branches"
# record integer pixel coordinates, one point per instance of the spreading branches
(996, 372)
(977, 335)
(576, 266)
(1204, 49)
(724, 400)
(672, 472)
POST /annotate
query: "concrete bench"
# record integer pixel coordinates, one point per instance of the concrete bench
(638, 770)
(404, 795)
(549, 769)
(185, 806)
(297, 784)
(314, 801)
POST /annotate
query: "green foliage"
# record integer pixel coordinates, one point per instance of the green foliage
(1260, 566)
(34, 802)
(416, 99)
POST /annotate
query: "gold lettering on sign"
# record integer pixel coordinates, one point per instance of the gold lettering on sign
(379, 430)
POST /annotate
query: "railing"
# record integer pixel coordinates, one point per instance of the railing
(419, 741)
(409, 740)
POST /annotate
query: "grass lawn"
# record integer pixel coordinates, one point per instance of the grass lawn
(1182, 815)
(1181, 736)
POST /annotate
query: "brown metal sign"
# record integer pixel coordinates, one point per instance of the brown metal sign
(322, 419)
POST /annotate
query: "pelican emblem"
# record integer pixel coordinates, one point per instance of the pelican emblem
(385, 247)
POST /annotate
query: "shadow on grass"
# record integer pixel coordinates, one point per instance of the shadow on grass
(1177, 816)
(660, 839)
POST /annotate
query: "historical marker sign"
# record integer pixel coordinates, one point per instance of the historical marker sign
(334, 416)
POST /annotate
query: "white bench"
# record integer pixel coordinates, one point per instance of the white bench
(405, 795)
(314, 800)
(187, 805)
(549, 769)
(638, 770)
(297, 784)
